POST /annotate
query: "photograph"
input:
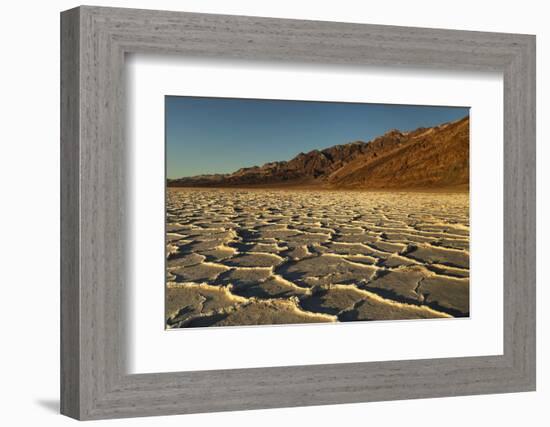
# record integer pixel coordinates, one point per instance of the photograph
(293, 212)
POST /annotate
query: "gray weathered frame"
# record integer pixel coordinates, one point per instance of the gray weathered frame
(94, 41)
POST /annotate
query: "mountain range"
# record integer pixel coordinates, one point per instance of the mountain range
(434, 157)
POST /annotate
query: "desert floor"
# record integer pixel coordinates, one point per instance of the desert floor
(251, 257)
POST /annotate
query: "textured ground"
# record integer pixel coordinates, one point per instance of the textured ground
(250, 257)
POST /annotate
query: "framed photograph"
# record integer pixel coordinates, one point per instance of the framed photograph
(262, 213)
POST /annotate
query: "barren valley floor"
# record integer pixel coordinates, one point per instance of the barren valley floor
(252, 257)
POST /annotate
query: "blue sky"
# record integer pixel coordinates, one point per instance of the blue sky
(220, 135)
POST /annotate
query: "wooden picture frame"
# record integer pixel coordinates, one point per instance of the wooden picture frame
(94, 382)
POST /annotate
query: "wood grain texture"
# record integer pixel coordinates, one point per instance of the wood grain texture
(95, 383)
(70, 220)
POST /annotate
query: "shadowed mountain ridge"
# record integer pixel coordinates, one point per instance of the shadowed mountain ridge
(434, 157)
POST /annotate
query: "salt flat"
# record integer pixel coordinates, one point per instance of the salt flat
(277, 256)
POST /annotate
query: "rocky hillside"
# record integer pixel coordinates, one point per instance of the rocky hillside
(425, 158)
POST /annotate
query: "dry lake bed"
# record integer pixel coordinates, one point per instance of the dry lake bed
(256, 257)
